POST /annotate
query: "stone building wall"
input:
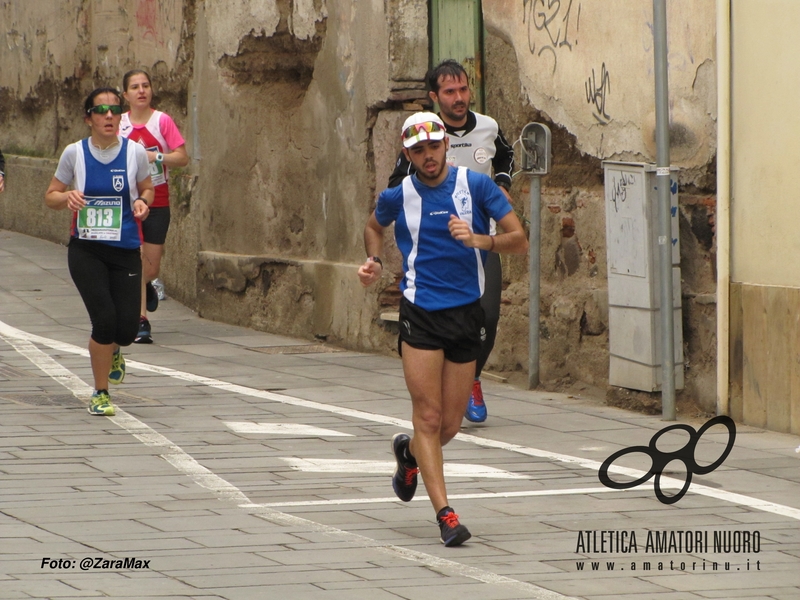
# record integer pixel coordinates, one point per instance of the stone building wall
(291, 110)
(586, 70)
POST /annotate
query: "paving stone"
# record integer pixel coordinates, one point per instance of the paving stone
(72, 485)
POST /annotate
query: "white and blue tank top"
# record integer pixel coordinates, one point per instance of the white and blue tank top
(440, 271)
(110, 189)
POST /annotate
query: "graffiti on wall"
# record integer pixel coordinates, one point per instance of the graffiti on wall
(552, 25)
(619, 188)
(596, 92)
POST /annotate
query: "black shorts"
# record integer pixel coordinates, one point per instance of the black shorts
(155, 226)
(457, 330)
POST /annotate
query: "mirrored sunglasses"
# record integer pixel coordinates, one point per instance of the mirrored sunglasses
(102, 109)
(418, 128)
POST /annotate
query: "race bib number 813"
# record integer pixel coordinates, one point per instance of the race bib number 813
(101, 218)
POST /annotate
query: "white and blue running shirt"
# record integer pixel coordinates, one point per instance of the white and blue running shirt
(111, 172)
(440, 271)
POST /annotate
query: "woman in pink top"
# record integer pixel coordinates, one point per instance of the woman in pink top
(165, 146)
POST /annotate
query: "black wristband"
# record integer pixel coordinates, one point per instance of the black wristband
(377, 259)
(142, 199)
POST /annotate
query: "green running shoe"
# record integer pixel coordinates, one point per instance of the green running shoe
(101, 405)
(117, 372)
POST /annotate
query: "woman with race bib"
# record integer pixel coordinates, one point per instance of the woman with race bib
(158, 134)
(111, 189)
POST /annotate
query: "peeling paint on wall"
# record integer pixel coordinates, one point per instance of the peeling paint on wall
(230, 21)
(589, 67)
(280, 54)
(305, 15)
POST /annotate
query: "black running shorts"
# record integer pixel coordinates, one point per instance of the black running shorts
(457, 330)
(155, 226)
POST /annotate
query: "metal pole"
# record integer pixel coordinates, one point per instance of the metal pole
(534, 239)
(664, 207)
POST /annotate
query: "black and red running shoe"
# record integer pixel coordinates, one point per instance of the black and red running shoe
(453, 532)
(404, 480)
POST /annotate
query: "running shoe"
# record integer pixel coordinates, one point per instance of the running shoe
(101, 404)
(143, 337)
(476, 407)
(117, 372)
(453, 532)
(404, 480)
(151, 297)
(159, 287)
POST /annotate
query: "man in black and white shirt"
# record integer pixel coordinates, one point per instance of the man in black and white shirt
(477, 143)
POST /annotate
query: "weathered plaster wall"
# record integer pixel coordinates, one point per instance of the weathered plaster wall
(44, 56)
(54, 53)
(586, 70)
(287, 97)
(22, 203)
(278, 106)
(291, 110)
(588, 66)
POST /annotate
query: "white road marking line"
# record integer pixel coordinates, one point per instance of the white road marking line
(225, 491)
(9, 332)
(295, 429)
(380, 467)
(51, 368)
(418, 498)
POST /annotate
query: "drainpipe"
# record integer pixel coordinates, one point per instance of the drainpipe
(723, 213)
(664, 208)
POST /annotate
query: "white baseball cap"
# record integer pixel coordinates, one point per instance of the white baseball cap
(420, 127)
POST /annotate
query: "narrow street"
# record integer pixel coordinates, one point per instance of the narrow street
(242, 464)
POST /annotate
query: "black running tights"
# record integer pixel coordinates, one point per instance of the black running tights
(109, 280)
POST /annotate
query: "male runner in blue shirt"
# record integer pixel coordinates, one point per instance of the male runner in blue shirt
(477, 143)
(442, 228)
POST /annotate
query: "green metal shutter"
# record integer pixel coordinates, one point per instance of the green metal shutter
(457, 32)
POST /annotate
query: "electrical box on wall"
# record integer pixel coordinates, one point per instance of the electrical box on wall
(631, 198)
